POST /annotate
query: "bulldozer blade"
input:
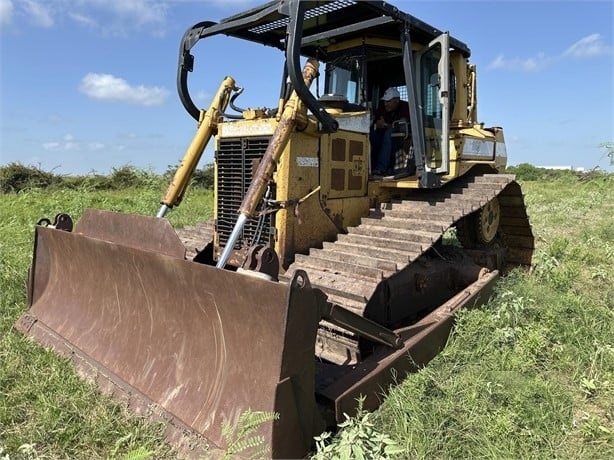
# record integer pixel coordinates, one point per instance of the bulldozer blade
(422, 341)
(195, 344)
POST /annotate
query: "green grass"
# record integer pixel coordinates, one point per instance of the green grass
(530, 375)
(46, 410)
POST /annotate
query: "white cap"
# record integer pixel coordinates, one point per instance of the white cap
(390, 93)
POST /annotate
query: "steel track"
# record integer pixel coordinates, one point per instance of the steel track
(387, 241)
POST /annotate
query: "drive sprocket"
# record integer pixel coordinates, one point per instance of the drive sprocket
(488, 222)
(480, 227)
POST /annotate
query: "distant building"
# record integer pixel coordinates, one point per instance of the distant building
(562, 168)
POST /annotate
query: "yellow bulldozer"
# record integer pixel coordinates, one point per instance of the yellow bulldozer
(316, 282)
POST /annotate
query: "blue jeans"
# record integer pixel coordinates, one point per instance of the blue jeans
(381, 149)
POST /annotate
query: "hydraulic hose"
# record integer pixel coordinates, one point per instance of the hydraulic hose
(294, 112)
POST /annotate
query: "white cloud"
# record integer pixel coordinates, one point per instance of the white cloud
(110, 17)
(233, 5)
(82, 19)
(118, 17)
(202, 96)
(39, 13)
(51, 145)
(531, 64)
(140, 11)
(6, 12)
(54, 118)
(128, 136)
(70, 142)
(110, 88)
(589, 46)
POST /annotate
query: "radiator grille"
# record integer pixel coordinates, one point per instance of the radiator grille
(237, 159)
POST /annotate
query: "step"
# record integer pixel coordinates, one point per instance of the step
(410, 247)
(378, 231)
(342, 285)
(436, 215)
(339, 263)
(433, 226)
(399, 258)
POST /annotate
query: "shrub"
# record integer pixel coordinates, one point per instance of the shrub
(528, 172)
(357, 438)
(128, 176)
(202, 178)
(16, 177)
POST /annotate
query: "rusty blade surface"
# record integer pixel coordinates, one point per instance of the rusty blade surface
(140, 232)
(202, 343)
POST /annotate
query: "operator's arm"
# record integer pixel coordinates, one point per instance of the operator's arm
(403, 111)
(378, 120)
(380, 123)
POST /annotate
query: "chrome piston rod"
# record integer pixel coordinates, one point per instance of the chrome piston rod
(234, 236)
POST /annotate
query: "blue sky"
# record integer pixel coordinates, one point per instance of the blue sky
(88, 85)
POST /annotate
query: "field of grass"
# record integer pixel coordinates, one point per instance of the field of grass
(531, 374)
(46, 411)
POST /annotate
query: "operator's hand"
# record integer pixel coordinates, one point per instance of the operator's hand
(380, 123)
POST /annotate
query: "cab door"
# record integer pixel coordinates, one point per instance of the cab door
(433, 85)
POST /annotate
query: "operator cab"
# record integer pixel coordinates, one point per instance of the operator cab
(367, 46)
(357, 75)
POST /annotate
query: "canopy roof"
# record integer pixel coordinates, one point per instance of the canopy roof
(326, 23)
